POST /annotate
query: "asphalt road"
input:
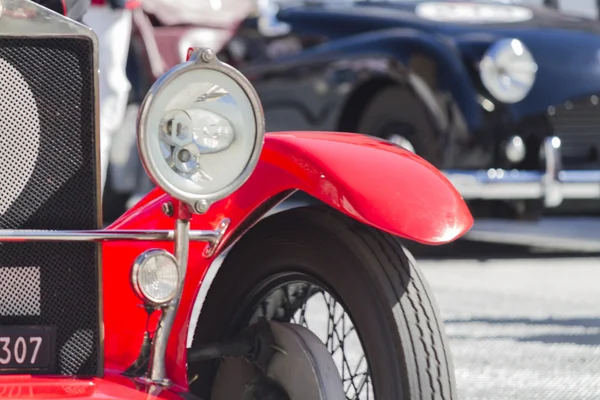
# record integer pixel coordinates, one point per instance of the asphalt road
(526, 328)
(522, 328)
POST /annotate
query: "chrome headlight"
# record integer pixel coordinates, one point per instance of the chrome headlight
(155, 277)
(200, 130)
(508, 70)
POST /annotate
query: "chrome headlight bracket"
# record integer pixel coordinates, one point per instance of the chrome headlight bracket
(229, 148)
(200, 134)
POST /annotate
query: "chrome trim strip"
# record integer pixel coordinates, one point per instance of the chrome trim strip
(553, 186)
(524, 184)
(7, 235)
(28, 19)
(99, 217)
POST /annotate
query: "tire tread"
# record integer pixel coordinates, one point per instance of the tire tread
(429, 332)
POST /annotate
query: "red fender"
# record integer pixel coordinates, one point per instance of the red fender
(373, 181)
(376, 182)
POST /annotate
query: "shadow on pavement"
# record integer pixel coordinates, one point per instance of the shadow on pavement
(465, 249)
(586, 335)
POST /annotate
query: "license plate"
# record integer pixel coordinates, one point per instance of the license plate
(27, 349)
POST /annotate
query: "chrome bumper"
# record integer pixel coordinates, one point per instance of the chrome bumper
(553, 186)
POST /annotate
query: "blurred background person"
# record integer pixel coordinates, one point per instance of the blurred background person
(111, 20)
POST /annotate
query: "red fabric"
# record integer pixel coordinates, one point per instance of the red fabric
(131, 4)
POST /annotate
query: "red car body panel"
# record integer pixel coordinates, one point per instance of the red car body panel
(373, 181)
(108, 388)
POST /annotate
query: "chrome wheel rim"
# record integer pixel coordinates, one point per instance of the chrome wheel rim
(308, 304)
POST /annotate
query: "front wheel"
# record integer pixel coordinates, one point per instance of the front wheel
(398, 116)
(353, 287)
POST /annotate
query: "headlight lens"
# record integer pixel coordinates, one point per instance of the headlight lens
(508, 70)
(155, 276)
(201, 130)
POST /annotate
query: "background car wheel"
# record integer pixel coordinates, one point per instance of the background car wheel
(395, 114)
(297, 259)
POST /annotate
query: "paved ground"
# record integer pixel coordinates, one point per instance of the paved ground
(522, 328)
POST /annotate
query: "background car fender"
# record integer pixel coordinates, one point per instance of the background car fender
(355, 67)
(404, 44)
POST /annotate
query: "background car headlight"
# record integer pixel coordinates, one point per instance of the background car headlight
(200, 130)
(508, 70)
(155, 277)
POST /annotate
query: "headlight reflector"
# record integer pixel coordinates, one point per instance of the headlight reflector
(155, 276)
(201, 130)
(508, 70)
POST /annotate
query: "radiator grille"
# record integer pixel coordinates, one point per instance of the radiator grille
(577, 123)
(48, 181)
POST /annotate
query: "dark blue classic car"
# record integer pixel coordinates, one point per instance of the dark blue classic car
(503, 96)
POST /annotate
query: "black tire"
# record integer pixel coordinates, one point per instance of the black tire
(396, 110)
(370, 273)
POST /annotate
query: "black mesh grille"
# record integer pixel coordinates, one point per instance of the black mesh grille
(48, 181)
(577, 123)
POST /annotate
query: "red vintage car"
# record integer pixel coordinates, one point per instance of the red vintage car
(208, 287)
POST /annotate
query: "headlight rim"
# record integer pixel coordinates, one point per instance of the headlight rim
(495, 47)
(202, 58)
(135, 283)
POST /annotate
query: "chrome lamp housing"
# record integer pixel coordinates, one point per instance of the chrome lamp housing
(200, 130)
(508, 70)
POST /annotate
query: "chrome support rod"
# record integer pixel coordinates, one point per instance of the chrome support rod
(104, 235)
(158, 372)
